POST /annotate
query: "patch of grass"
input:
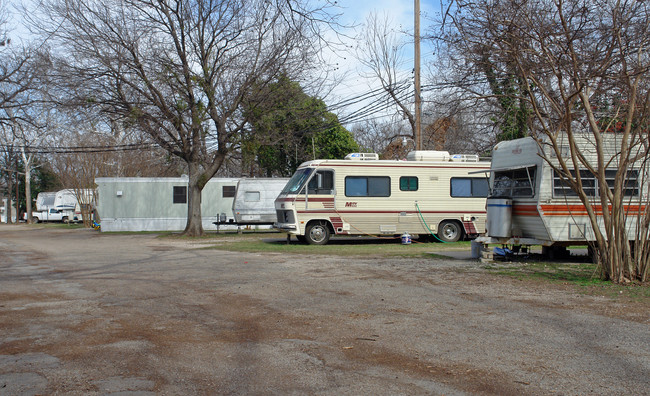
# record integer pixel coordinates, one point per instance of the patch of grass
(585, 276)
(60, 225)
(363, 247)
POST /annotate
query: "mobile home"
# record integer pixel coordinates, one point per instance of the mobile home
(530, 204)
(431, 192)
(159, 204)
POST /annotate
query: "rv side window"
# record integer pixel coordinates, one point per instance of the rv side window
(469, 187)
(367, 186)
(228, 191)
(408, 183)
(321, 183)
(515, 183)
(180, 194)
(590, 184)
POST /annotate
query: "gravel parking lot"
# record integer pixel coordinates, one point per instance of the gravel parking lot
(88, 313)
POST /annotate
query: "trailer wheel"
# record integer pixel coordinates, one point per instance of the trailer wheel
(449, 231)
(317, 233)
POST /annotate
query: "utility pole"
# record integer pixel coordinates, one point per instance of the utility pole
(418, 99)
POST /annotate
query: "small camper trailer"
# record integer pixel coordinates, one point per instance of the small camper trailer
(431, 192)
(530, 204)
(255, 200)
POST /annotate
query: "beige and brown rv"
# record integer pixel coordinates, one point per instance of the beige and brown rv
(431, 193)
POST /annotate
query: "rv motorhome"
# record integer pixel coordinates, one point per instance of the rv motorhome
(431, 192)
(529, 204)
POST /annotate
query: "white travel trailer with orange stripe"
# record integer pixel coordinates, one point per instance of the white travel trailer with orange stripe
(431, 192)
(530, 204)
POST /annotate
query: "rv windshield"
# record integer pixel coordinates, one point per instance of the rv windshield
(297, 181)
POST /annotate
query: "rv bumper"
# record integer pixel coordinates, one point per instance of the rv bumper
(291, 228)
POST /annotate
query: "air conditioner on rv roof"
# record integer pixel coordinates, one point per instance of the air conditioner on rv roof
(362, 156)
(428, 155)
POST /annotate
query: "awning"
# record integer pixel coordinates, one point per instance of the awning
(509, 168)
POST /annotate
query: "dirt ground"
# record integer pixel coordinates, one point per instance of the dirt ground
(88, 313)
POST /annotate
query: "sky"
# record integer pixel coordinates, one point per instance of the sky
(354, 13)
(345, 65)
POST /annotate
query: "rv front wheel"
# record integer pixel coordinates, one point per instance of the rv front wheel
(449, 231)
(317, 234)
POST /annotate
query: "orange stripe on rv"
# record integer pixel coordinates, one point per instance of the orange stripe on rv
(581, 210)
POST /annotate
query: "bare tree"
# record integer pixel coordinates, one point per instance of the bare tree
(381, 51)
(581, 68)
(179, 70)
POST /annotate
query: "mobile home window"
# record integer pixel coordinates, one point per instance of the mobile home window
(408, 183)
(590, 183)
(321, 183)
(367, 186)
(228, 191)
(476, 187)
(180, 194)
(515, 183)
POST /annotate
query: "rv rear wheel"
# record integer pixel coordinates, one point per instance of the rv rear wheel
(449, 231)
(317, 233)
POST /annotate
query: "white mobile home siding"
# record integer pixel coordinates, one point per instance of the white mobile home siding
(146, 204)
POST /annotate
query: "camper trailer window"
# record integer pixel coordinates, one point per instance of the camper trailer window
(515, 182)
(590, 184)
(469, 187)
(408, 183)
(228, 191)
(367, 186)
(252, 196)
(321, 183)
(297, 181)
(180, 194)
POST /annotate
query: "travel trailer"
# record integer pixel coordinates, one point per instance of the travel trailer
(255, 200)
(529, 204)
(431, 193)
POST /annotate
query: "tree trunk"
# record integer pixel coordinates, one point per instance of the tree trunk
(194, 225)
(28, 185)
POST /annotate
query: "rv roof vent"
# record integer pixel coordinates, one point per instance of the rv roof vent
(428, 156)
(464, 158)
(362, 156)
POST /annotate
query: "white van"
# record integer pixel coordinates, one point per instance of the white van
(431, 193)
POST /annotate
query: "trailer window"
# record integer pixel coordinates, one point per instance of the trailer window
(408, 183)
(228, 191)
(590, 183)
(515, 182)
(462, 187)
(321, 183)
(252, 196)
(180, 194)
(367, 186)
